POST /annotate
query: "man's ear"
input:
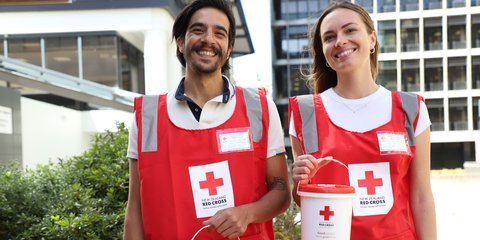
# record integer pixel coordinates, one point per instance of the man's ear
(180, 44)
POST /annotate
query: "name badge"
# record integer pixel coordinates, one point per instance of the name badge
(234, 140)
(393, 143)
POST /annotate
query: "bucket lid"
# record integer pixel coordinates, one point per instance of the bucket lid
(326, 188)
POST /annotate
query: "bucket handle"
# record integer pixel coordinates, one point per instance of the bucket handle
(199, 230)
(331, 159)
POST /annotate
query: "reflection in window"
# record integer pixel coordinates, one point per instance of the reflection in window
(476, 113)
(387, 36)
(298, 83)
(433, 33)
(455, 3)
(387, 74)
(297, 41)
(61, 54)
(25, 50)
(409, 35)
(1, 47)
(432, 4)
(475, 3)
(476, 72)
(435, 112)
(457, 68)
(281, 42)
(457, 108)
(366, 4)
(456, 32)
(433, 74)
(132, 66)
(409, 5)
(289, 9)
(410, 75)
(476, 30)
(281, 74)
(386, 6)
(100, 59)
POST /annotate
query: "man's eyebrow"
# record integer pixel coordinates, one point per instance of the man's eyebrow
(344, 26)
(199, 24)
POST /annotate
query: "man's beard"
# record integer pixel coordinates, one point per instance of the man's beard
(200, 66)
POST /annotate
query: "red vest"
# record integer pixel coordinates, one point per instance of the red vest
(378, 162)
(188, 175)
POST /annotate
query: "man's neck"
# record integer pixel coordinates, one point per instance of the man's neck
(202, 88)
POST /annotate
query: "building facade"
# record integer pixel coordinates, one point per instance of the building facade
(70, 69)
(430, 47)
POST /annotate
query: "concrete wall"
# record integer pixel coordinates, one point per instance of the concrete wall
(10, 126)
(51, 132)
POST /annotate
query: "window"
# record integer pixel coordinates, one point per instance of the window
(366, 4)
(386, 6)
(455, 3)
(409, 35)
(61, 54)
(387, 36)
(432, 4)
(433, 74)
(475, 3)
(476, 30)
(457, 68)
(100, 60)
(281, 76)
(410, 75)
(456, 32)
(297, 41)
(436, 113)
(476, 113)
(1, 47)
(433, 33)
(387, 74)
(281, 42)
(409, 5)
(476, 72)
(458, 114)
(132, 68)
(25, 50)
(298, 83)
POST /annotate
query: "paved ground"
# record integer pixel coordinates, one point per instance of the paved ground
(457, 200)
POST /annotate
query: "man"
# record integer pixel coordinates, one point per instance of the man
(208, 154)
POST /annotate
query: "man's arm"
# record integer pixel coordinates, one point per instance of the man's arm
(233, 222)
(421, 196)
(133, 228)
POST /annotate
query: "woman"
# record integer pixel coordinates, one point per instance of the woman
(383, 137)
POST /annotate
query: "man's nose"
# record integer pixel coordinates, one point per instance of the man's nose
(208, 36)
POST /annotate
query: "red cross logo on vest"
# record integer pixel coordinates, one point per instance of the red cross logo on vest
(326, 213)
(370, 182)
(211, 183)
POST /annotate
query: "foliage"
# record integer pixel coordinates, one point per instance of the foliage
(286, 227)
(79, 198)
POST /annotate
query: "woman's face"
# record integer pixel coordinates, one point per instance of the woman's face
(345, 40)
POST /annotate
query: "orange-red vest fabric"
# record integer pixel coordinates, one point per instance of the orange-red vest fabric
(379, 174)
(177, 164)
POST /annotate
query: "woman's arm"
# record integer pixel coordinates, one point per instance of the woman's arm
(421, 197)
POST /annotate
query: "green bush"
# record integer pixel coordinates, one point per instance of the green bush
(80, 198)
(83, 197)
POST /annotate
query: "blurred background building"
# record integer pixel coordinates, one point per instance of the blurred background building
(71, 68)
(430, 47)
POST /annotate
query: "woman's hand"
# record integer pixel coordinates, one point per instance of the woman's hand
(306, 166)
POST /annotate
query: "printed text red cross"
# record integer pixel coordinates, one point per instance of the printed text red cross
(211, 183)
(370, 182)
(326, 213)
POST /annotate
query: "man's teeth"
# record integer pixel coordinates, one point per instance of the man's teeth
(343, 54)
(206, 53)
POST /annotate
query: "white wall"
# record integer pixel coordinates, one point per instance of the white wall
(50, 132)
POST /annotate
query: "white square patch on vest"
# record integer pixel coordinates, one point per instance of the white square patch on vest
(392, 143)
(212, 188)
(234, 140)
(373, 188)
